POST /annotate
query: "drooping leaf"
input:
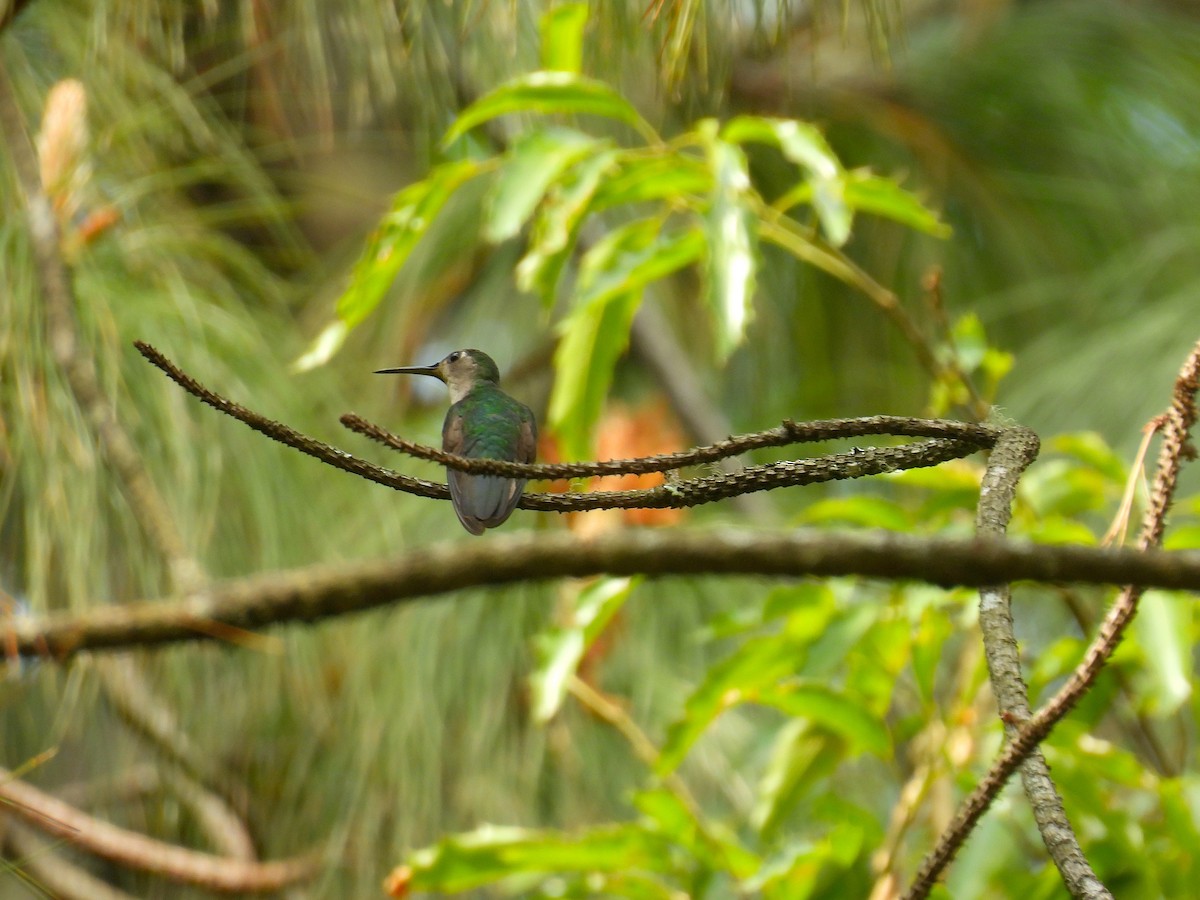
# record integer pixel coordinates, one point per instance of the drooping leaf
(731, 247)
(556, 228)
(413, 211)
(535, 161)
(1163, 628)
(633, 256)
(756, 665)
(560, 650)
(881, 196)
(550, 92)
(833, 710)
(649, 177)
(800, 142)
(800, 760)
(562, 37)
(804, 145)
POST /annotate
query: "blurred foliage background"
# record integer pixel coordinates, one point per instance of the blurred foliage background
(238, 156)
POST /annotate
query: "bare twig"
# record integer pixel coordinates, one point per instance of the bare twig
(75, 360)
(138, 851)
(1176, 448)
(51, 872)
(131, 695)
(318, 592)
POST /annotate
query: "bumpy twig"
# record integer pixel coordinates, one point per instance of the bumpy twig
(1176, 448)
(948, 440)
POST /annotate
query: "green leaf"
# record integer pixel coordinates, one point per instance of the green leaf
(1091, 449)
(731, 247)
(546, 93)
(800, 142)
(536, 161)
(804, 145)
(865, 511)
(835, 711)
(1163, 628)
(667, 815)
(631, 257)
(593, 339)
(799, 762)
(928, 643)
(754, 667)
(560, 650)
(645, 178)
(413, 210)
(493, 854)
(557, 227)
(562, 37)
(881, 196)
(612, 277)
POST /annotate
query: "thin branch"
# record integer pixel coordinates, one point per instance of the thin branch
(125, 687)
(1176, 448)
(76, 361)
(318, 592)
(51, 873)
(129, 848)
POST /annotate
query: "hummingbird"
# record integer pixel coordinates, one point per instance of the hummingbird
(483, 422)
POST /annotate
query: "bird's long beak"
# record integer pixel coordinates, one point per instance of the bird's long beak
(412, 370)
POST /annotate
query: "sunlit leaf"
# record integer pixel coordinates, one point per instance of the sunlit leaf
(557, 226)
(804, 145)
(731, 247)
(800, 142)
(560, 650)
(1090, 448)
(868, 512)
(536, 161)
(413, 211)
(881, 196)
(493, 854)
(562, 37)
(550, 92)
(934, 629)
(323, 347)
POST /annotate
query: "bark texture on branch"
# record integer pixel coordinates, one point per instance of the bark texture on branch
(310, 594)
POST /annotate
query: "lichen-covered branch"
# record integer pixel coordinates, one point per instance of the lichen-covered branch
(1176, 449)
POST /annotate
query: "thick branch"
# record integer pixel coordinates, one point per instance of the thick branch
(1012, 454)
(309, 594)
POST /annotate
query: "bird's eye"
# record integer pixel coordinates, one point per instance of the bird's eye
(455, 356)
